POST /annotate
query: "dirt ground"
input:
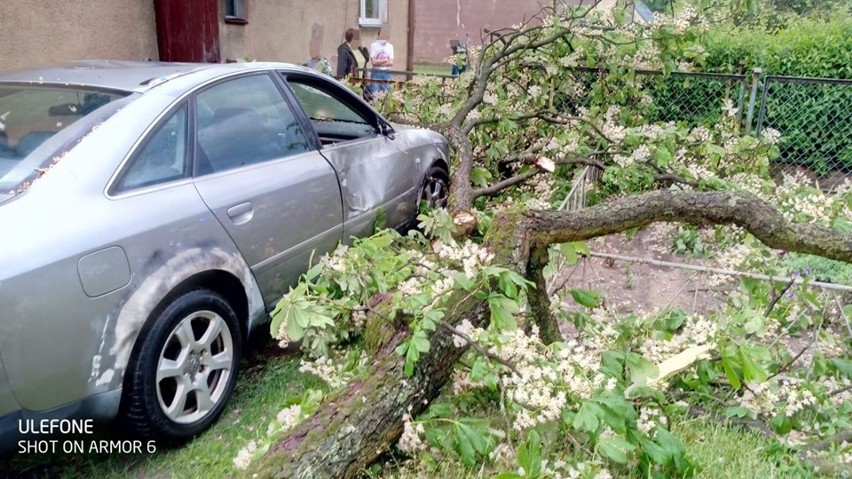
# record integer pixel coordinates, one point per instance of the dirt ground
(638, 287)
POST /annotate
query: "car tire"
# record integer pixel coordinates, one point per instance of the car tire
(184, 369)
(435, 190)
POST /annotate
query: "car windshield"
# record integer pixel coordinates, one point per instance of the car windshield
(30, 115)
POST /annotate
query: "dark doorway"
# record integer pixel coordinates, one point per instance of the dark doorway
(188, 30)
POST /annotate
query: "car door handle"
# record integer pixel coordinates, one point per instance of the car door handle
(241, 213)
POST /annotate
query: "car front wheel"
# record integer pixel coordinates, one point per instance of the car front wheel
(435, 190)
(185, 369)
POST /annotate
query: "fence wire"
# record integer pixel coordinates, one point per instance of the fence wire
(695, 99)
(812, 116)
(814, 120)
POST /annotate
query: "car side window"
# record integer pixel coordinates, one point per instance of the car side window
(245, 121)
(332, 119)
(162, 157)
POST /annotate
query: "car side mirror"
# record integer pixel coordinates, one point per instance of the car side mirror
(387, 130)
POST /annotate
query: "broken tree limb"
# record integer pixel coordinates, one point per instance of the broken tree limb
(351, 430)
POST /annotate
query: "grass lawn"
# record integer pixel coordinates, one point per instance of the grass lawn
(432, 69)
(718, 451)
(270, 378)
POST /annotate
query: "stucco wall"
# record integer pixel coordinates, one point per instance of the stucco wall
(439, 21)
(281, 30)
(37, 32)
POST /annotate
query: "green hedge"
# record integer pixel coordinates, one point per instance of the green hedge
(808, 48)
(813, 119)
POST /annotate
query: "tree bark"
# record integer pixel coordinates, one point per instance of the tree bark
(352, 430)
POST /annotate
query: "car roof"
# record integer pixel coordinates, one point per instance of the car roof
(127, 76)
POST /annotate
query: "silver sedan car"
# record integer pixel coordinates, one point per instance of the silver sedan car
(154, 213)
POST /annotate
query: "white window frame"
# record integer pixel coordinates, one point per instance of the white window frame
(376, 22)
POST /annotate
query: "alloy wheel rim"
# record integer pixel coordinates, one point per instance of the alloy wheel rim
(194, 367)
(435, 192)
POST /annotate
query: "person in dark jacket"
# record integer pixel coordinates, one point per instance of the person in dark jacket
(346, 63)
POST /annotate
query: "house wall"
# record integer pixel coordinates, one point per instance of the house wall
(281, 30)
(51, 31)
(38, 32)
(439, 21)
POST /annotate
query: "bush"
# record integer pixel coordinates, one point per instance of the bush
(813, 119)
(807, 47)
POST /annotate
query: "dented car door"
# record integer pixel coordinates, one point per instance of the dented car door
(373, 169)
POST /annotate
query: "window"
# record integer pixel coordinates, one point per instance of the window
(333, 120)
(373, 13)
(235, 12)
(243, 122)
(163, 156)
(31, 115)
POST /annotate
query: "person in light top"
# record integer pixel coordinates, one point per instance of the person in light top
(381, 56)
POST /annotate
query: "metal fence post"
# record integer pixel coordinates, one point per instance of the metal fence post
(761, 115)
(755, 80)
(740, 92)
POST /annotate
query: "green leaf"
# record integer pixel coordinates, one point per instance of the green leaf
(509, 288)
(586, 418)
(654, 451)
(843, 366)
(502, 310)
(463, 281)
(509, 475)
(781, 424)
(465, 447)
(529, 455)
(570, 253)
(411, 358)
(616, 448)
(737, 411)
(475, 430)
(314, 272)
(640, 369)
(294, 331)
(420, 342)
(584, 297)
(582, 248)
(733, 378)
(662, 156)
(479, 176)
(715, 150)
(752, 371)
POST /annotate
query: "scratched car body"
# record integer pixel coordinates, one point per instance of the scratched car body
(152, 215)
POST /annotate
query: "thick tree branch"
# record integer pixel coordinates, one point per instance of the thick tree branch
(716, 207)
(344, 436)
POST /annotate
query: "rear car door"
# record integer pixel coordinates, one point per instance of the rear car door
(264, 179)
(375, 171)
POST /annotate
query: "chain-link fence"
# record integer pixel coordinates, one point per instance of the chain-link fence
(695, 98)
(813, 117)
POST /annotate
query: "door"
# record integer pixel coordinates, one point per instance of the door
(187, 30)
(374, 170)
(265, 182)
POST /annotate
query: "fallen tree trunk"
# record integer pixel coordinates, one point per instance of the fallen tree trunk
(352, 430)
